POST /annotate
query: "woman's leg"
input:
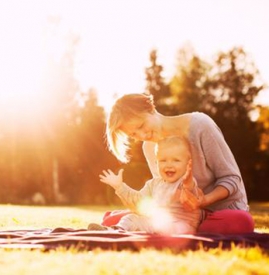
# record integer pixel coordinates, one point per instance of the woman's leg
(227, 221)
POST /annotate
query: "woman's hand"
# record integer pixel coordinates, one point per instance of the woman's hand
(191, 201)
(112, 179)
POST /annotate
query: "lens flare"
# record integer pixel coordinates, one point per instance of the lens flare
(161, 219)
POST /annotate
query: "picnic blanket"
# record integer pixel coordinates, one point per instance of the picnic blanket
(82, 239)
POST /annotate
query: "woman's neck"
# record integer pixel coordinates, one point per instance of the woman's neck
(175, 125)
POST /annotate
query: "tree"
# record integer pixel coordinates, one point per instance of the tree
(155, 84)
(94, 156)
(31, 141)
(188, 83)
(263, 122)
(234, 83)
(262, 175)
(61, 87)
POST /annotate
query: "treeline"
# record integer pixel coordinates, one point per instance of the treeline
(58, 158)
(225, 88)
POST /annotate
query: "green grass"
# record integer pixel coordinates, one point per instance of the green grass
(35, 217)
(237, 261)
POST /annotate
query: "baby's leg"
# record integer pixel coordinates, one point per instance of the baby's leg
(135, 222)
(182, 228)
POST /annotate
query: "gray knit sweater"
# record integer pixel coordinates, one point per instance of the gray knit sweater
(214, 164)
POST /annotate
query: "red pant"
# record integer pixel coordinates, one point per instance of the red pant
(225, 221)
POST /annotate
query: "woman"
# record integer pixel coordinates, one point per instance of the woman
(222, 191)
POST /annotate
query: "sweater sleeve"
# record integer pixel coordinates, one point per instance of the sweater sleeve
(131, 197)
(218, 156)
(148, 150)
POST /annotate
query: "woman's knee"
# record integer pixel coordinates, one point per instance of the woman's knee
(244, 220)
(228, 222)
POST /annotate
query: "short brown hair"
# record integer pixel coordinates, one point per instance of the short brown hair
(173, 140)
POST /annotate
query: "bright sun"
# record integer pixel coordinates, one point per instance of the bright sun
(24, 64)
(20, 86)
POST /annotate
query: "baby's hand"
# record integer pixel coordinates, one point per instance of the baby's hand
(112, 179)
(187, 178)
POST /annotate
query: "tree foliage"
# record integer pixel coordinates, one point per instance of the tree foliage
(62, 155)
(234, 83)
(188, 83)
(156, 84)
(263, 122)
(84, 154)
(262, 164)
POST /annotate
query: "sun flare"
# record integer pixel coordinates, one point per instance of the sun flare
(160, 217)
(25, 67)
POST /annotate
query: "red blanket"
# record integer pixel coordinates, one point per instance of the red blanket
(82, 239)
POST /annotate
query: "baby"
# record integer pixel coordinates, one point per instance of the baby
(157, 207)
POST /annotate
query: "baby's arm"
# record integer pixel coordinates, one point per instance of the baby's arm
(112, 179)
(129, 197)
(188, 192)
(188, 181)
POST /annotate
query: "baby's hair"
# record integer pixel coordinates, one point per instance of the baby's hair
(173, 140)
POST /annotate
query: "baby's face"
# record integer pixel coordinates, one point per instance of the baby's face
(172, 161)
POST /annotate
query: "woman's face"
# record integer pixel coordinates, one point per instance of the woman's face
(143, 128)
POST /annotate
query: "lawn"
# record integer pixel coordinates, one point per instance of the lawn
(240, 261)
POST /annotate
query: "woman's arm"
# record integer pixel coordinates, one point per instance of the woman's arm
(213, 159)
(219, 159)
(218, 194)
(148, 148)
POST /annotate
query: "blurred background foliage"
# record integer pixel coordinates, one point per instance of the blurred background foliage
(57, 160)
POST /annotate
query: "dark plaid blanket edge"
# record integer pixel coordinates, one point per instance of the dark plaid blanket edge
(82, 239)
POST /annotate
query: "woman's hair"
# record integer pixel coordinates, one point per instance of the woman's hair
(125, 109)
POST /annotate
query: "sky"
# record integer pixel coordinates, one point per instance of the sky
(116, 37)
